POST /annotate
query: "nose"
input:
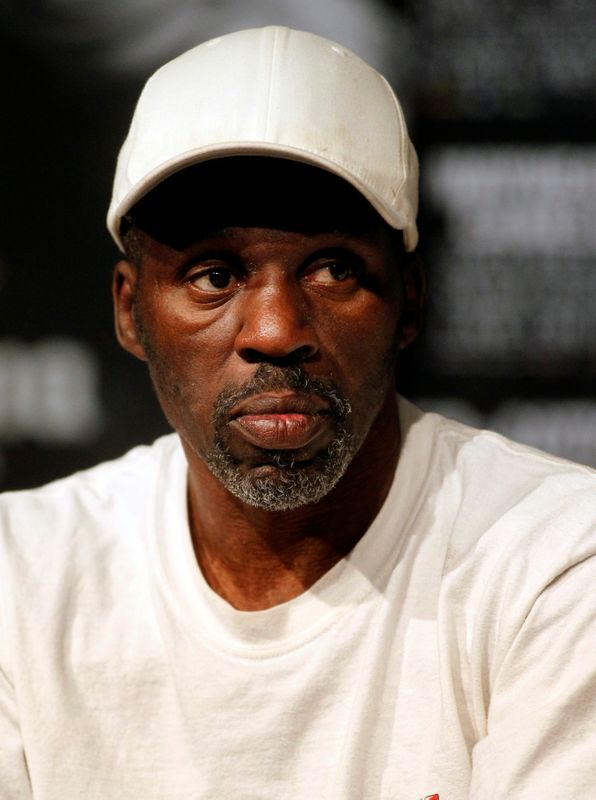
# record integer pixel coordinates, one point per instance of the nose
(276, 325)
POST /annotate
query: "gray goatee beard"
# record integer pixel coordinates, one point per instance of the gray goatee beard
(293, 484)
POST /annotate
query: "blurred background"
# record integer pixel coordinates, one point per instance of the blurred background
(501, 100)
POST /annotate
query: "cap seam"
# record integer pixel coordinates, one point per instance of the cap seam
(272, 61)
(401, 124)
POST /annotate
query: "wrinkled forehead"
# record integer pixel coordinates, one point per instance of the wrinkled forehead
(252, 191)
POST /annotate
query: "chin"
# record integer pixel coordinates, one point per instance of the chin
(283, 484)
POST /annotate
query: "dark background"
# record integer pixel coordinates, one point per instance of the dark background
(501, 100)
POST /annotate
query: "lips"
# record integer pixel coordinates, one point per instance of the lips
(281, 420)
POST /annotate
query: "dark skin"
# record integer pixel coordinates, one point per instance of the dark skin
(204, 309)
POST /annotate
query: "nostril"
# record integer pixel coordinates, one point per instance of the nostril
(306, 351)
(252, 356)
(297, 356)
(302, 353)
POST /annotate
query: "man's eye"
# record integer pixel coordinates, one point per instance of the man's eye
(214, 279)
(331, 271)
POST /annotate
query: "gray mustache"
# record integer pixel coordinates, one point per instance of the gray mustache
(271, 378)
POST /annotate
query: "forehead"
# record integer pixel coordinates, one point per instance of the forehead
(255, 192)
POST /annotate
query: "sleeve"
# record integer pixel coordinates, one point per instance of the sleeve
(541, 724)
(14, 774)
(14, 777)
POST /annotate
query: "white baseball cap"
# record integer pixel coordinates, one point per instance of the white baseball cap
(272, 92)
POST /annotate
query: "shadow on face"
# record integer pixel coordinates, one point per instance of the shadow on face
(252, 191)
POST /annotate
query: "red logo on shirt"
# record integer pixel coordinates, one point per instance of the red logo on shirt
(432, 797)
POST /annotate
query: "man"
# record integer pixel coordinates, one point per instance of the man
(312, 589)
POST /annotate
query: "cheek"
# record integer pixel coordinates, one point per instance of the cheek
(194, 343)
(364, 342)
(183, 363)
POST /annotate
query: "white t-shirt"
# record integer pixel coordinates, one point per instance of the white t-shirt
(453, 652)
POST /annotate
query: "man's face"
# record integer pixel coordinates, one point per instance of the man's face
(271, 346)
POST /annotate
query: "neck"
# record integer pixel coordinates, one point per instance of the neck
(256, 559)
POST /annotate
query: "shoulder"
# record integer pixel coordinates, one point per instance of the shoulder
(513, 497)
(507, 518)
(518, 528)
(514, 532)
(484, 480)
(88, 501)
(73, 552)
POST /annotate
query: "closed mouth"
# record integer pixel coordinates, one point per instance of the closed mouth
(281, 421)
(280, 403)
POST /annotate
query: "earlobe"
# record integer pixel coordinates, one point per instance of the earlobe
(414, 287)
(124, 283)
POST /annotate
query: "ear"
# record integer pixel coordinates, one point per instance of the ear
(414, 287)
(124, 284)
